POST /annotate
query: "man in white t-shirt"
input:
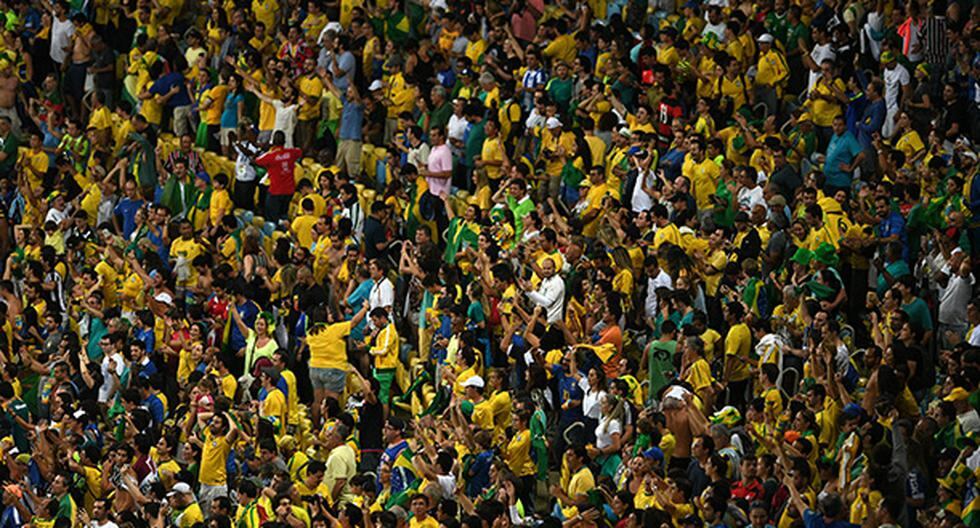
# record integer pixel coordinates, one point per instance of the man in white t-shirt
(897, 89)
(823, 49)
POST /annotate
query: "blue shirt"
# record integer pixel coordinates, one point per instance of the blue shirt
(248, 311)
(355, 300)
(842, 149)
(400, 478)
(155, 406)
(478, 474)
(163, 85)
(568, 390)
(229, 116)
(812, 519)
(894, 224)
(127, 208)
(871, 120)
(351, 120)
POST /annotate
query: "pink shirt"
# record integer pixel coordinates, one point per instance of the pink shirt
(440, 160)
(523, 25)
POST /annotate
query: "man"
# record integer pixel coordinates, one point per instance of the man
(220, 433)
(350, 132)
(702, 172)
(438, 174)
(384, 348)
(341, 465)
(772, 72)
(185, 511)
(280, 162)
(844, 155)
(656, 278)
(550, 294)
(8, 148)
(394, 444)
(898, 90)
(580, 483)
(310, 91)
(738, 343)
(375, 236)
(383, 292)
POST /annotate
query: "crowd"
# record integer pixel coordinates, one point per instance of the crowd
(456, 264)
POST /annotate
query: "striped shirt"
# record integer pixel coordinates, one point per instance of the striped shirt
(936, 44)
(532, 79)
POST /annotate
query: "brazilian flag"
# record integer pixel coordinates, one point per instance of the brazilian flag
(460, 232)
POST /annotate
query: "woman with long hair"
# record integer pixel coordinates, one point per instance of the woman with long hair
(608, 435)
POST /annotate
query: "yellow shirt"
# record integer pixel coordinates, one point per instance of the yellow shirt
(274, 406)
(214, 458)
(328, 346)
(37, 164)
(220, 205)
(667, 233)
(550, 144)
(100, 119)
(187, 249)
(311, 87)
(265, 12)
(704, 181)
(428, 522)
(483, 415)
(229, 386)
(580, 483)
(302, 227)
(474, 50)
(699, 375)
(562, 48)
(492, 151)
(517, 454)
(910, 144)
(401, 96)
(217, 94)
(772, 69)
(822, 110)
(385, 348)
(737, 343)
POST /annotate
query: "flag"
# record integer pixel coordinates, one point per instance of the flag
(460, 232)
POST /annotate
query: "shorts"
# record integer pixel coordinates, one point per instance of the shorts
(384, 377)
(330, 379)
(225, 136)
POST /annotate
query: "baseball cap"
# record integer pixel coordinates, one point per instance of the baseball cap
(552, 122)
(375, 86)
(475, 381)
(625, 132)
(887, 56)
(181, 488)
(164, 297)
(957, 394)
(766, 38)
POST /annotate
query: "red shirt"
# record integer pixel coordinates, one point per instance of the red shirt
(281, 164)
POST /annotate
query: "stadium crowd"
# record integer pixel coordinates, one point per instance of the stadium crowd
(465, 264)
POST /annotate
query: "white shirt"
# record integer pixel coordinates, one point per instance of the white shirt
(108, 385)
(55, 215)
(603, 433)
(954, 297)
(749, 198)
(61, 33)
(286, 119)
(550, 295)
(662, 280)
(456, 128)
(969, 421)
(244, 170)
(382, 295)
(591, 399)
(820, 53)
(718, 29)
(641, 201)
(895, 79)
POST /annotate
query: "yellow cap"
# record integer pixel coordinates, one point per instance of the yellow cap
(957, 394)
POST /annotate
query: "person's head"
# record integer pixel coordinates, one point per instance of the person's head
(840, 125)
(420, 506)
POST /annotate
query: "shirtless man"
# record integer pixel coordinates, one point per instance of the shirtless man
(685, 421)
(81, 59)
(8, 97)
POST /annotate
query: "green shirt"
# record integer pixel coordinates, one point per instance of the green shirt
(474, 143)
(520, 210)
(440, 116)
(918, 313)
(660, 360)
(9, 147)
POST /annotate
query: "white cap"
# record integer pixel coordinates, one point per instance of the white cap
(766, 37)
(475, 381)
(375, 86)
(164, 298)
(552, 122)
(78, 415)
(181, 488)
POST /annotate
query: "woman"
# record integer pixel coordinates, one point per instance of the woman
(259, 344)
(519, 457)
(253, 259)
(593, 386)
(231, 113)
(608, 435)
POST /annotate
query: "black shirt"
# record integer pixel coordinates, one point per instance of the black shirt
(374, 234)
